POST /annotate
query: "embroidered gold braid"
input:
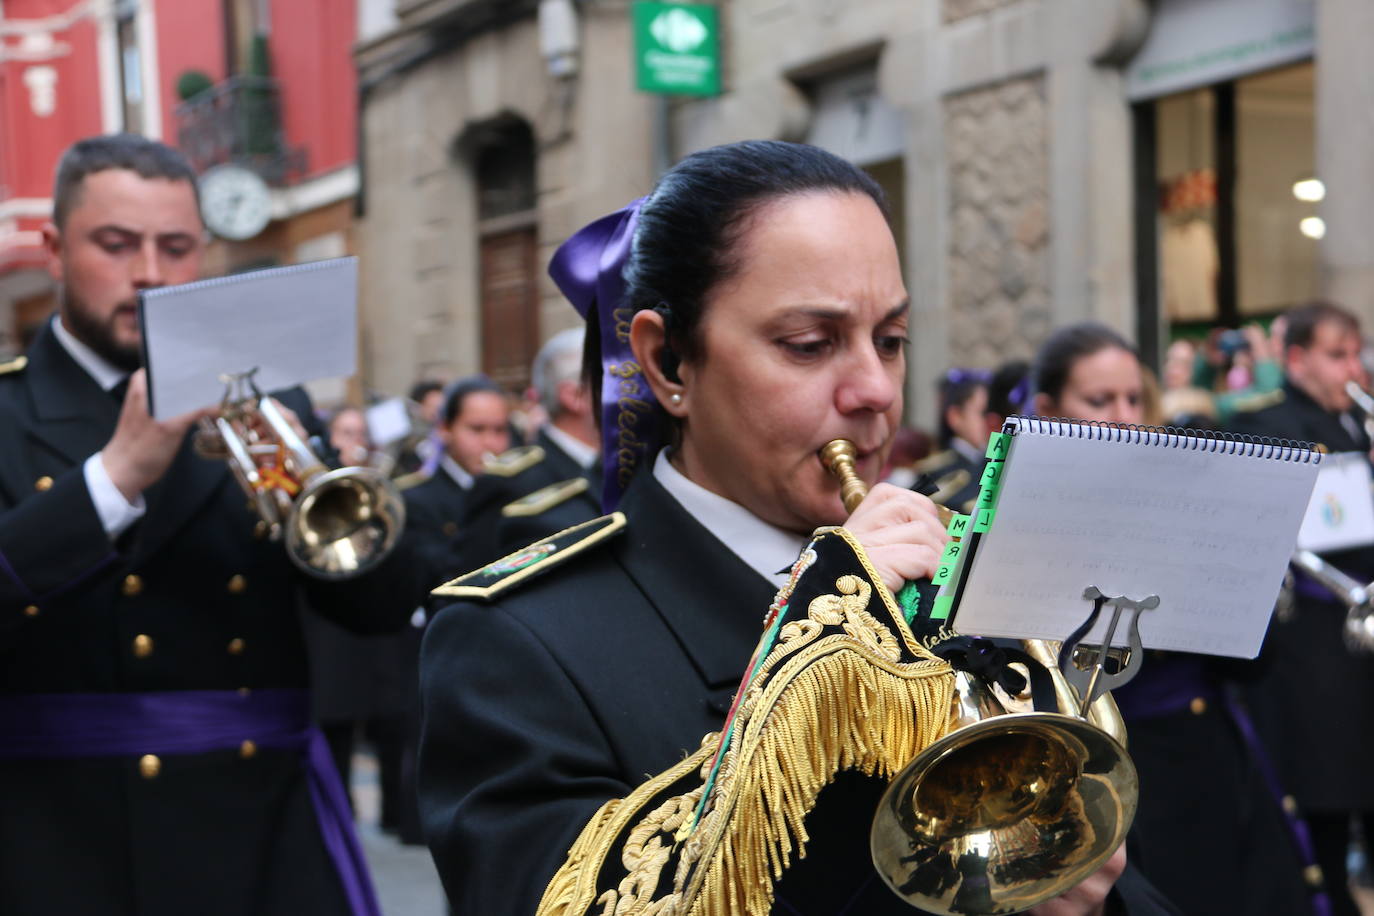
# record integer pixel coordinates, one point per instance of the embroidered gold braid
(822, 702)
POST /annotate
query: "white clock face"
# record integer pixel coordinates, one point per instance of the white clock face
(235, 202)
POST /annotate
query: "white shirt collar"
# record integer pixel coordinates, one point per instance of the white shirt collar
(455, 470)
(768, 550)
(965, 448)
(105, 373)
(579, 451)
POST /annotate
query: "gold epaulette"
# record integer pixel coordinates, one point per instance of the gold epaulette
(413, 479)
(15, 365)
(487, 583)
(514, 461)
(545, 498)
(932, 464)
(1259, 401)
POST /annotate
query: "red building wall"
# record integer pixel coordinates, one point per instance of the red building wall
(190, 36)
(31, 142)
(311, 46)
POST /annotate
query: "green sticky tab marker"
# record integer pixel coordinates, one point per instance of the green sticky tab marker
(984, 521)
(952, 551)
(943, 572)
(943, 605)
(992, 474)
(998, 443)
(958, 525)
(986, 497)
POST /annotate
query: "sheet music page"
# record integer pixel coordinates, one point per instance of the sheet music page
(1341, 512)
(295, 324)
(1209, 533)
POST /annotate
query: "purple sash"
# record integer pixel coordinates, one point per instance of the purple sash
(58, 725)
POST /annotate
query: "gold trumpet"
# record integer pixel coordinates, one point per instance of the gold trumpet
(338, 523)
(1009, 808)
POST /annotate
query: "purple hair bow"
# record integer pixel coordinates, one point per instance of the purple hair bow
(588, 268)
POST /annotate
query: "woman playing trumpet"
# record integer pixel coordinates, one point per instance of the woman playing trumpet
(762, 314)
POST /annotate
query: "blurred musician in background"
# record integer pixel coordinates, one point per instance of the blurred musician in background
(1204, 797)
(1314, 687)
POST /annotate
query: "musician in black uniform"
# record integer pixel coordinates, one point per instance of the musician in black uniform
(1203, 792)
(1314, 686)
(475, 425)
(763, 314)
(955, 470)
(557, 485)
(155, 751)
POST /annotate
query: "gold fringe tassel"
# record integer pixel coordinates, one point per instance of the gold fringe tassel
(843, 711)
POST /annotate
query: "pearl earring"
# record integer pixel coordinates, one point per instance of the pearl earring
(675, 398)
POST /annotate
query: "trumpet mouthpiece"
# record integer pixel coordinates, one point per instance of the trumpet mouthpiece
(838, 457)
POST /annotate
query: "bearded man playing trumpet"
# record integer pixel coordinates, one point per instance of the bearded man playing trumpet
(156, 755)
(748, 312)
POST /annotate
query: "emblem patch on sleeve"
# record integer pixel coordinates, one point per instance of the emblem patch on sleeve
(494, 578)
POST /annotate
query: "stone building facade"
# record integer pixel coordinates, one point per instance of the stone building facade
(1006, 133)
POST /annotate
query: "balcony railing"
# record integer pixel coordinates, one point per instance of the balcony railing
(239, 121)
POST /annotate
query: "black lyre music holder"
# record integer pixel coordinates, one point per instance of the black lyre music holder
(1085, 666)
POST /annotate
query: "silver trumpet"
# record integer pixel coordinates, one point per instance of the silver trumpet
(336, 524)
(1365, 401)
(1358, 598)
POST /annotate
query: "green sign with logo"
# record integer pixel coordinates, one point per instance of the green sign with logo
(677, 48)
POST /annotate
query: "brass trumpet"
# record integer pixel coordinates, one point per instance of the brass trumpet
(337, 524)
(1009, 808)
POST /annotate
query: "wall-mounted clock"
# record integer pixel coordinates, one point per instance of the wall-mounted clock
(235, 202)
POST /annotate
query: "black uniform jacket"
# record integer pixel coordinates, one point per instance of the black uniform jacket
(1313, 686)
(486, 533)
(187, 599)
(575, 687)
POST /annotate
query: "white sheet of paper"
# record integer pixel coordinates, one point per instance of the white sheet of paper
(1210, 533)
(388, 421)
(1341, 511)
(295, 324)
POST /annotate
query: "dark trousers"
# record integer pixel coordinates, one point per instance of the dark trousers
(1331, 837)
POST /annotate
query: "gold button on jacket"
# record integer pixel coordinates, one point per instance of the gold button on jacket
(143, 645)
(149, 766)
(132, 585)
(236, 585)
(236, 646)
(43, 484)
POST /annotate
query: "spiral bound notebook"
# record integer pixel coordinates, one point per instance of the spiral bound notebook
(293, 324)
(1206, 522)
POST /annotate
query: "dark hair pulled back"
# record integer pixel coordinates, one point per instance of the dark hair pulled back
(1065, 347)
(688, 239)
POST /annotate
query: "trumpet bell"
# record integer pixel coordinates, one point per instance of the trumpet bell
(344, 523)
(1004, 813)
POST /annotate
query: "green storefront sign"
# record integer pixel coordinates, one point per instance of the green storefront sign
(677, 48)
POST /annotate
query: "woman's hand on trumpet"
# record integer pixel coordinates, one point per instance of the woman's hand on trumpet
(1088, 897)
(142, 447)
(901, 533)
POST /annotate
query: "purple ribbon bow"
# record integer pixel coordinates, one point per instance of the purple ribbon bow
(588, 269)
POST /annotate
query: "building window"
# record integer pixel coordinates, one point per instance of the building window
(503, 157)
(1232, 179)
